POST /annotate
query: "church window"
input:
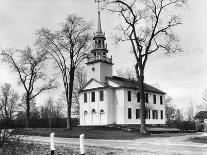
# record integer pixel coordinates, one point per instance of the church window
(161, 114)
(146, 98)
(99, 43)
(138, 97)
(137, 113)
(161, 101)
(92, 96)
(93, 111)
(85, 97)
(129, 113)
(147, 114)
(129, 96)
(154, 114)
(154, 99)
(101, 111)
(101, 95)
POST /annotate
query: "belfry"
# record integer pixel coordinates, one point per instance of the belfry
(99, 65)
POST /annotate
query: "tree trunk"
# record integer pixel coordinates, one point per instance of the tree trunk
(142, 103)
(50, 121)
(27, 112)
(69, 100)
(169, 122)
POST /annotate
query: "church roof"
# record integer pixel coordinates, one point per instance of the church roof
(102, 85)
(201, 114)
(133, 84)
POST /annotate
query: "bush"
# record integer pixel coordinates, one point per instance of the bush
(11, 144)
(183, 125)
(39, 123)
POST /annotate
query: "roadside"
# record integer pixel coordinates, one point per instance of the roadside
(97, 132)
(155, 145)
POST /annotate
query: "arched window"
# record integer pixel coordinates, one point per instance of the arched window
(101, 111)
(93, 111)
(85, 112)
(99, 43)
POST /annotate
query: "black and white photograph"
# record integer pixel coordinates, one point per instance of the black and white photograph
(103, 77)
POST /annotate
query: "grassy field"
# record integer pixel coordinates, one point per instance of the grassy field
(93, 133)
(90, 132)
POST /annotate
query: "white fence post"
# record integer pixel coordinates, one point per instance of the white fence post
(82, 150)
(52, 146)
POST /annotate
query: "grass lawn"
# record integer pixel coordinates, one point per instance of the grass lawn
(199, 139)
(92, 133)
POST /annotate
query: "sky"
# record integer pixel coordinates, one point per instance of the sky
(183, 77)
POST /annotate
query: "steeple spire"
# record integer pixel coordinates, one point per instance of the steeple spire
(99, 30)
(99, 51)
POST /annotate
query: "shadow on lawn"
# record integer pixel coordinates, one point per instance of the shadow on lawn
(199, 139)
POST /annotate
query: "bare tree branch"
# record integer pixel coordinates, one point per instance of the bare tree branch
(67, 47)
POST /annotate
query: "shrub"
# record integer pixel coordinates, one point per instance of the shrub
(11, 144)
(39, 123)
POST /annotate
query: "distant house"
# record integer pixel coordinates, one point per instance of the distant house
(108, 99)
(201, 121)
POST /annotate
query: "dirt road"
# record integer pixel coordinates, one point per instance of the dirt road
(158, 145)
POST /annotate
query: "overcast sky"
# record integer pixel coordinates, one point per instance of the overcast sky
(184, 78)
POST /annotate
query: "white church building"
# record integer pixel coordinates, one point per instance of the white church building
(108, 99)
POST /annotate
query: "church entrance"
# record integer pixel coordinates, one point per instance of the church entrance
(101, 116)
(94, 118)
(86, 119)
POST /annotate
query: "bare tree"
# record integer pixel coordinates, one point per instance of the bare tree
(170, 110)
(29, 65)
(52, 110)
(203, 105)
(67, 47)
(22, 109)
(80, 81)
(190, 112)
(148, 25)
(178, 115)
(127, 73)
(9, 102)
(59, 110)
(204, 97)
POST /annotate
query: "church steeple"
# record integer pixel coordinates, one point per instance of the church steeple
(99, 66)
(99, 30)
(99, 51)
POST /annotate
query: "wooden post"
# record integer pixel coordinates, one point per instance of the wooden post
(52, 146)
(82, 150)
